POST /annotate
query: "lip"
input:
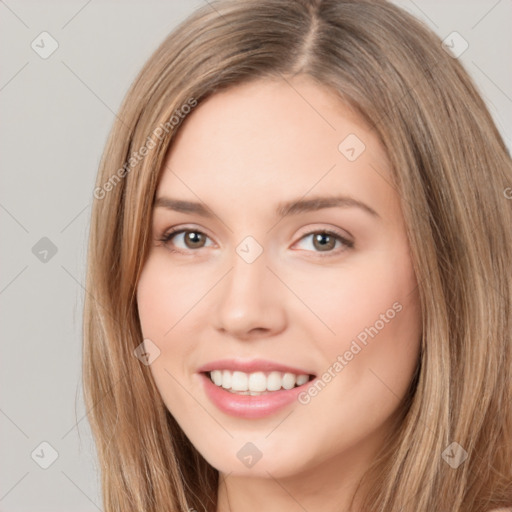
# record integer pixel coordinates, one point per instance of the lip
(247, 406)
(251, 366)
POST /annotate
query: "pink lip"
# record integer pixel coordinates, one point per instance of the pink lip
(250, 366)
(247, 406)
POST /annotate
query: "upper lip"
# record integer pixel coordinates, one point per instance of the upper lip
(251, 366)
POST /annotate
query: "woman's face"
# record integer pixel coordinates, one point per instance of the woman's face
(291, 260)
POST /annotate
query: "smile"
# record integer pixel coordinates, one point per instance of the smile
(257, 383)
(252, 389)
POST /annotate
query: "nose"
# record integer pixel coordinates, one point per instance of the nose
(251, 300)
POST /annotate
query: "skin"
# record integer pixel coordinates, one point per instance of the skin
(241, 152)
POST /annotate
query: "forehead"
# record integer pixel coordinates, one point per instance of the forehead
(273, 139)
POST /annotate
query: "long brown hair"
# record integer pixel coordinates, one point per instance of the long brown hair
(451, 169)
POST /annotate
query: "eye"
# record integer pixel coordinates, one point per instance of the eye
(192, 238)
(325, 241)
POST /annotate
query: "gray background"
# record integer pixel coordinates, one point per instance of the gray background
(55, 117)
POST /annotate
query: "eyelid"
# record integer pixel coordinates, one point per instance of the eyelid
(342, 233)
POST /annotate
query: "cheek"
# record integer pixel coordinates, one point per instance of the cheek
(371, 356)
(172, 304)
(164, 298)
(373, 315)
(351, 298)
(152, 301)
(162, 305)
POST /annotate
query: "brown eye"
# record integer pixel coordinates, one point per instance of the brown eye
(324, 241)
(192, 239)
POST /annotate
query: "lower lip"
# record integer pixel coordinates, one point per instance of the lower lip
(247, 406)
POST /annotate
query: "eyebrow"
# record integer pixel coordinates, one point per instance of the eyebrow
(283, 209)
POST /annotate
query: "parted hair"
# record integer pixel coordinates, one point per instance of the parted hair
(451, 169)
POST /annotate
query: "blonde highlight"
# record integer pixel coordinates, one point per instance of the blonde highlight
(451, 173)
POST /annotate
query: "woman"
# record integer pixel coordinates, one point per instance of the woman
(298, 270)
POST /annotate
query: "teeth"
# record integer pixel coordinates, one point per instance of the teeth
(274, 381)
(302, 379)
(239, 381)
(226, 379)
(216, 376)
(256, 383)
(289, 381)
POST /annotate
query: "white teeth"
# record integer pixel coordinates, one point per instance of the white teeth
(240, 381)
(226, 379)
(274, 381)
(256, 383)
(216, 376)
(302, 379)
(288, 381)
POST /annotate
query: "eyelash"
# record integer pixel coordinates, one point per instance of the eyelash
(166, 238)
